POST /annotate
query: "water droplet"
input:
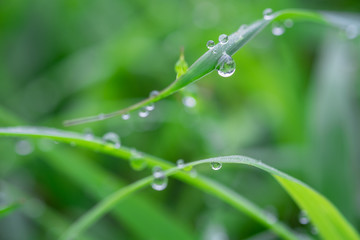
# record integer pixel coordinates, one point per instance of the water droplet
(112, 138)
(154, 93)
(214, 51)
(88, 134)
(226, 65)
(314, 230)
(303, 218)
(101, 116)
(288, 23)
(160, 179)
(223, 38)
(277, 29)
(193, 173)
(143, 113)
(210, 44)
(242, 29)
(23, 147)
(189, 101)
(125, 116)
(268, 14)
(216, 165)
(180, 163)
(137, 161)
(150, 107)
(351, 31)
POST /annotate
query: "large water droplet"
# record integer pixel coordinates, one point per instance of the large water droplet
(112, 138)
(180, 163)
(23, 147)
(143, 113)
(303, 218)
(351, 31)
(125, 116)
(154, 93)
(268, 14)
(223, 38)
(277, 29)
(160, 179)
(137, 161)
(150, 107)
(210, 44)
(216, 165)
(226, 65)
(189, 101)
(288, 23)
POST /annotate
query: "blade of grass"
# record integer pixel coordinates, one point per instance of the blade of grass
(208, 62)
(6, 210)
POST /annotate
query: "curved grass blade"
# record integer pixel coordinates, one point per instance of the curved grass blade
(208, 62)
(227, 195)
(6, 210)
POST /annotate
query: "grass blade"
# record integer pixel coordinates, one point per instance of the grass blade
(6, 210)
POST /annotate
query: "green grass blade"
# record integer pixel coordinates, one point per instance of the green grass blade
(207, 62)
(209, 186)
(8, 209)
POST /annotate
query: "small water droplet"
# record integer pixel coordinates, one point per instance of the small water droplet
(216, 165)
(242, 29)
(288, 23)
(137, 161)
(214, 51)
(160, 179)
(226, 65)
(223, 38)
(267, 13)
(193, 173)
(210, 44)
(143, 113)
(112, 138)
(180, 163)
(351, 31)
(303, 218)
(150, 107)
(101, 116)
(154, 93)
(23, 147)
(125, 116)
(88, 134)
(189, 101)
(277, 29)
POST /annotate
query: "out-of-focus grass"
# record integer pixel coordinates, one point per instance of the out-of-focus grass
(60, 60)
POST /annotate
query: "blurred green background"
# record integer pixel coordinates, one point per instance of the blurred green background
(293, 102)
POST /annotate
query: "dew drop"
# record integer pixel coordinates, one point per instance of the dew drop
(242, 29)
(210, 44)
(180, 163)
(351, 31)
(226, 65)
(303, 218)
(150, 107)
(160, 179)
(288, 23)
(193, 173)
(214, 51)
(216, 165)
(23, 147)
(154, 93)
(88, 134)
(112, 138)
(277, 29)
(137, 161)
(143, 113)
(267, 13)
(101, 116)
(125, 116)
(223, 38)
(189, 101)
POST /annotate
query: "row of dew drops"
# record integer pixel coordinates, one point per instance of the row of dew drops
(226, 65)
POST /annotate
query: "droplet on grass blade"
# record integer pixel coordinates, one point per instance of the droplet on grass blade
(160, 179)
(288, 23)
(303, 218)
(277, 29)
(180, 163)
(267, 13)
(189, 101)
(210, 44)
(143, 113)
(351, 31)
(112, 138)
(125, 116)
(137, 161)
(226, 65)
(154, 93)
(223, 38)
(216, 165)
(23, 147)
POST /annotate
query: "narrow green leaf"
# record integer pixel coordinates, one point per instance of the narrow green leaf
(6, 210)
